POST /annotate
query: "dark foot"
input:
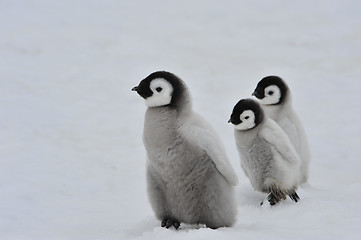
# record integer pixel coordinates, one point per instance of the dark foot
(294, 196)
(272, 199)
(167, 223)
(276, 195)
(212, 227)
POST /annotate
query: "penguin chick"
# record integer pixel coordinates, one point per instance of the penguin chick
(275, 97)
(268, 158)
(189, 178)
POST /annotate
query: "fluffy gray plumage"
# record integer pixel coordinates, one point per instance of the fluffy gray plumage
(268, 158)
(278, 107)
(189, 178)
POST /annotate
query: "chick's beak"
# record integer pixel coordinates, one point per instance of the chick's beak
(135, 88)
(254, 93)
(229, 121)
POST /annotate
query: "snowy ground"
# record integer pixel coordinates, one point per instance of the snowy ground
(72, 162)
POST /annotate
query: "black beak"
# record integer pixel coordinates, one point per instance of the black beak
(254, 93)
(229, 121)
(135, 88)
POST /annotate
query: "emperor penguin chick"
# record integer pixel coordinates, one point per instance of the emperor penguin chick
(276, 100)
(268, 158)
(189, 178)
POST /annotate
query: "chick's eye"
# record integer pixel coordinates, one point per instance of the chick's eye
(246, 117)
(270, 92)
(159, 89)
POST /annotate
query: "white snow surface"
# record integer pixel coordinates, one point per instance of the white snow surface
(72, 161)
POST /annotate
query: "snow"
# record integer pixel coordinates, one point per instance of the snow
(72, 162)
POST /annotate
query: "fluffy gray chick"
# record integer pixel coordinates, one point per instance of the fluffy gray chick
(276, 100)
(189, 177)
(268, 158)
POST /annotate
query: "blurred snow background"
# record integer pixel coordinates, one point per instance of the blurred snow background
(72, 162)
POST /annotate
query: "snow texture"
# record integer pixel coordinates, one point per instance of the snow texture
(72, 162)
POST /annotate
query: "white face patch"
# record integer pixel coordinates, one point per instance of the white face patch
(162, 93)
(248, 120)
(272, 95)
